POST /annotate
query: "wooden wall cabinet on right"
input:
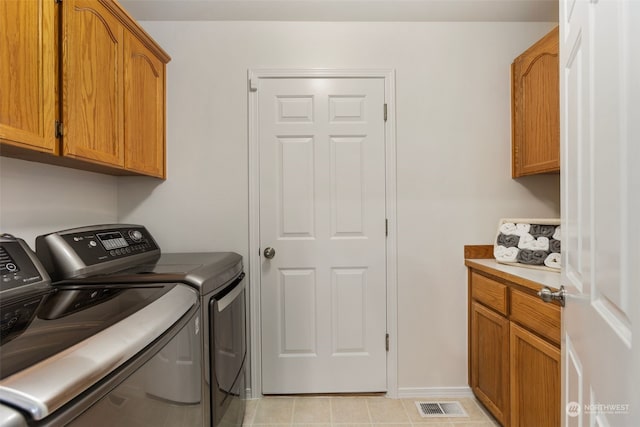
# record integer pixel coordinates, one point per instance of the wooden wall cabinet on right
(535, 108)
(514, 351)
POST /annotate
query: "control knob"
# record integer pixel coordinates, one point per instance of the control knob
(135, 235)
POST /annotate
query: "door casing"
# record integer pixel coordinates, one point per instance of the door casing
(253, 82)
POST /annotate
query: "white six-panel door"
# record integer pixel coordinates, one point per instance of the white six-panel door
(599, 52)
(322, 209)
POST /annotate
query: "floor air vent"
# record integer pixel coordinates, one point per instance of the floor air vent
(441, 409)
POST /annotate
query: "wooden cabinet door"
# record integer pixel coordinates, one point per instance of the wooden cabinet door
(92, 83)
(490, 360)
(27, 74)
(536, 108)
(535, 380)
(144, 111)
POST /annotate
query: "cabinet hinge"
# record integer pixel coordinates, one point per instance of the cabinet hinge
(385, 112)
(59, 129)
(386, 227)
(386, 342)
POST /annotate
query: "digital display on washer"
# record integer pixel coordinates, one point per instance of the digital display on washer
(112, 240)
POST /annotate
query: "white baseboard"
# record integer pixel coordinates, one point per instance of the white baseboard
(409, 392)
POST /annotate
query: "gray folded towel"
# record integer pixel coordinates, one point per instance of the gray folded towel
(554, 246)
(529, 257)
(539, 230)
(508, 240)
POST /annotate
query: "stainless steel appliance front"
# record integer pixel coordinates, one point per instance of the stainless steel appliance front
(216, 276)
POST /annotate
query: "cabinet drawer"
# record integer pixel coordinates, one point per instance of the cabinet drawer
(536, 315)
(489, 292)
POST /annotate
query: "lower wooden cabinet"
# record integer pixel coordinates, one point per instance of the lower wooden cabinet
(514, 353)
(535, 380)
(490, 360)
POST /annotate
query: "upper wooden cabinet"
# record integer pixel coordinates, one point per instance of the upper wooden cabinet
(144, 94)
(92, 83)
(27, 78)
(535, 109)
(111, 88)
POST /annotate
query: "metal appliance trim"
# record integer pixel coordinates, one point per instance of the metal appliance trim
(226, 300)
(46, 386)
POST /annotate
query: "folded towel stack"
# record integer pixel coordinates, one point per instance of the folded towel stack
(505, 254)
(553, 260)
(527, 241)
(529, 257)
(508, 240)
(529, 244)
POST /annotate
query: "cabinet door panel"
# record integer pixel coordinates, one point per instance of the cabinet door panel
(535, 380)
(92, 95)
(27, 78)
(490, 360)
(144, 109)
(536, 108)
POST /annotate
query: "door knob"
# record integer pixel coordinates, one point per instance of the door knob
(269, 252)
(547, 295)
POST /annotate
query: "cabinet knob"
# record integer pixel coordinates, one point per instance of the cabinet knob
(547, 295)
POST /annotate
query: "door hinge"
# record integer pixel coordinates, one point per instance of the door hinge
(59, 129)
(386, 227)
(386, 342)
(385, 112)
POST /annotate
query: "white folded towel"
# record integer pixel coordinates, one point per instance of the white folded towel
(522, 229)
(553, 260)
(556, 234)
(527, 241)
(505, 254)
(508, 228)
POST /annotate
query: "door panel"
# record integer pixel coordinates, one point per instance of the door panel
(322, 208)
(599, 92)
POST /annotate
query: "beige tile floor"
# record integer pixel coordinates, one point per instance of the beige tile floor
(347, 411)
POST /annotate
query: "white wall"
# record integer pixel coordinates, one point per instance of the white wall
(37, 198)
(453, 147)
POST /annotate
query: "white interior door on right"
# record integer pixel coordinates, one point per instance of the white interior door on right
(600, 140)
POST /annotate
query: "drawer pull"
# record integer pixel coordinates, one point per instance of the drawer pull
(547, 295)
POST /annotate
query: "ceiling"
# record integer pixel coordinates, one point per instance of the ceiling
(344, 10)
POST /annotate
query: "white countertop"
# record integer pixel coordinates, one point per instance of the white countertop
(543, 277)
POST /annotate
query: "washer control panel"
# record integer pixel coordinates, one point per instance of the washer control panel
(18, 266)
(70, 253)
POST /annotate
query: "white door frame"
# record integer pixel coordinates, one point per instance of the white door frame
(254, 78)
